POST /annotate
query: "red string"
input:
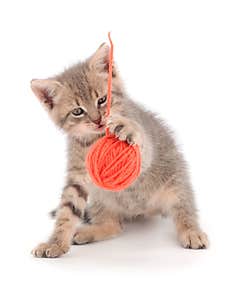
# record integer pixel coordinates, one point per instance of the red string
(109, 79)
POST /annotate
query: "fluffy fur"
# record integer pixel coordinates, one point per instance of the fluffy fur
(163, 186)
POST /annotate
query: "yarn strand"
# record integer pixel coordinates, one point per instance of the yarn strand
(109, 79)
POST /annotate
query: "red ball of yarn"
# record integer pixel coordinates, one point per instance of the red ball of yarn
(113, 164)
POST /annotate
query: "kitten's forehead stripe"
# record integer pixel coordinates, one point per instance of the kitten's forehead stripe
(77, 102)
(85, 90)
(96, 94)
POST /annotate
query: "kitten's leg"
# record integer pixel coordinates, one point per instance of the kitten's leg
(69, 214)
(185, 217)
(189, 233)
(100, 230)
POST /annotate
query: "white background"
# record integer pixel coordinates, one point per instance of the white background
(171, 55)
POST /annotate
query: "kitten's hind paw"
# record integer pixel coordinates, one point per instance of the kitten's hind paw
(194, 239)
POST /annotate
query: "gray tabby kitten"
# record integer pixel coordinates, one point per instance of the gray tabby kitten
(76, 102)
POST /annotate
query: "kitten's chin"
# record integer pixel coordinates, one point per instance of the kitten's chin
(87, 132)
(99, 129)
(95, 132)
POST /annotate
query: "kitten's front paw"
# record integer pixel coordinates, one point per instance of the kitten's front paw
(47, 250)
(193, 239)
(125, 130)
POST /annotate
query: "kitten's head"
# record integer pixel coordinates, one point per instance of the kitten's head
(76, 99)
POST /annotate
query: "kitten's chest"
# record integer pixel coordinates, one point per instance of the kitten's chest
(128, 203)
(77, 155)
(78, 150)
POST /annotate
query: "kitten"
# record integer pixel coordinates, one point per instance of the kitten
(76, 102)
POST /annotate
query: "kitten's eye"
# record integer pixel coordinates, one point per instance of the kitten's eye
(78, 112)
(102, 100)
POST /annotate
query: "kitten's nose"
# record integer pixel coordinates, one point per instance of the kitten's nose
(97, 121)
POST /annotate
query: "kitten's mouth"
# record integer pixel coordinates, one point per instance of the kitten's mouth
(100, 127)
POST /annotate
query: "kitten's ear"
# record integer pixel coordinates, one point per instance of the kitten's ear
(46, 90)
(100, 60)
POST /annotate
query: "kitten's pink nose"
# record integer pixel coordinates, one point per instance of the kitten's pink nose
(97, 121)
